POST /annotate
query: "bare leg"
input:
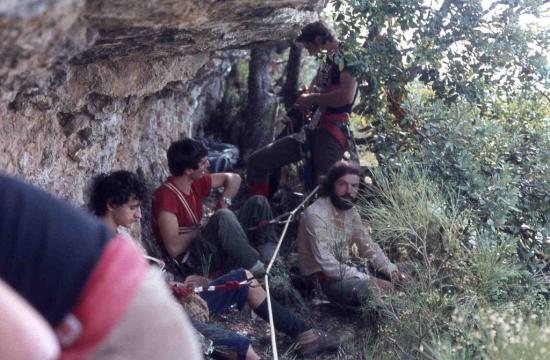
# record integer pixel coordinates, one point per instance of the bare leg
(251, 354)
(256, 294)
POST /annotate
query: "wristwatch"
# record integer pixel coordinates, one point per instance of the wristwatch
(226, 200)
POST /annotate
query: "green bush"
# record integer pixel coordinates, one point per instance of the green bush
(462, 272)
(505, 333)
(416, 222)
(496, 158)
(410, 212)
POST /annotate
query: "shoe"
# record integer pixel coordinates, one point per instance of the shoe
(313, 341)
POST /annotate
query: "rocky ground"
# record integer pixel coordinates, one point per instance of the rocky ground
(322, 316)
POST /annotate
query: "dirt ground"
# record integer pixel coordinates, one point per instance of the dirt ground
(321, 316)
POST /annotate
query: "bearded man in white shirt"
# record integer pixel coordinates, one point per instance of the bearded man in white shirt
(328, 228)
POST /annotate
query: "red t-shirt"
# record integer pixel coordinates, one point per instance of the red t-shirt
(165, 199)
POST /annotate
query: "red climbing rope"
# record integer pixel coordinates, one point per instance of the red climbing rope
(179, 289)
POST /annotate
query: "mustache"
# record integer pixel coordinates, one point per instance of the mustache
(347, 198)
(343, 202)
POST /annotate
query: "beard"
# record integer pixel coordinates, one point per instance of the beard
(342, 202)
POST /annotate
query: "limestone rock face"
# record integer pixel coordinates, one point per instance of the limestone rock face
(91, 86)
(88, 86)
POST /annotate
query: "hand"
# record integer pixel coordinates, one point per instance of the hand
(194, 281)
(399, 277)
(302, 90)
(305, 101)
(223, 203)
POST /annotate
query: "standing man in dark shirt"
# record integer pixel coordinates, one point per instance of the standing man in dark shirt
(332, 92)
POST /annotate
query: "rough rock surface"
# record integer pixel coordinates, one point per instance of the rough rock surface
(91, 86)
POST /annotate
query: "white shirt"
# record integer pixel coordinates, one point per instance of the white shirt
(325, 236)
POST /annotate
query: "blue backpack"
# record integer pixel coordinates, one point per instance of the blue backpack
(222, 156)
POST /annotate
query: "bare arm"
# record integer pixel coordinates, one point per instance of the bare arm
(174, 242)
(341, 96)
(230, 183)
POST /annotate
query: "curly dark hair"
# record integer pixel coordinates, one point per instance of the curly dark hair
(185, 154)
(337, 170)
(314, 29)
(116, 188)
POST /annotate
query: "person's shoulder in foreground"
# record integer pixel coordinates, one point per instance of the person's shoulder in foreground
(85, 283)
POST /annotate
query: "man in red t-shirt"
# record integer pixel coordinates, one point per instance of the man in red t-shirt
(221, 244)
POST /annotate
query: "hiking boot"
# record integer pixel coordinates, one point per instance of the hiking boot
(313, 341)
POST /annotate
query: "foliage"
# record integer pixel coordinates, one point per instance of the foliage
(460, 48)
(412, 216)
(457, 94)
(451, 308)
(498, 161)
(410, 212)
(502, 334)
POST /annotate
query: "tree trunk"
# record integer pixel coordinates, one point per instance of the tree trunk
(257, 118)
(290, 89)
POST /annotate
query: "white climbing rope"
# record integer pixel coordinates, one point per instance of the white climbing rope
(287, 223)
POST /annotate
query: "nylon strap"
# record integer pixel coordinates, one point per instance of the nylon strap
(183, 201)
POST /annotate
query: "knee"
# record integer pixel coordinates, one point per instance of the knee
(224, 217)
(259, 201)
(223, 214)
